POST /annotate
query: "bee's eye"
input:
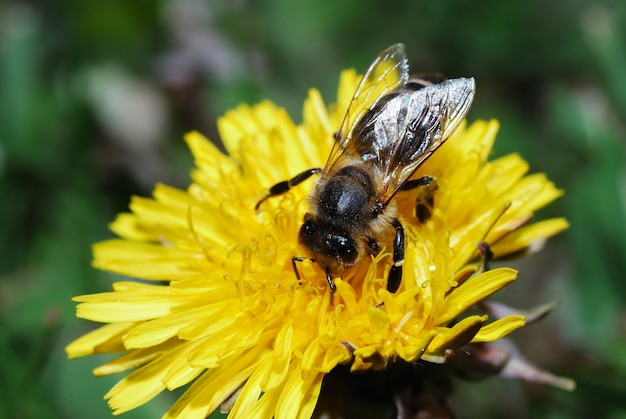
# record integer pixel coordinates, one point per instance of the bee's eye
(345, 248)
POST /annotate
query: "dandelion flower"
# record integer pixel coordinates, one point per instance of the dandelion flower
(221, 310)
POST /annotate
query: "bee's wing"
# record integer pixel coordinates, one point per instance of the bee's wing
(408, 127)
(388, 71)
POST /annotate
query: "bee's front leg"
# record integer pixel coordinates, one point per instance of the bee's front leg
(284, 186)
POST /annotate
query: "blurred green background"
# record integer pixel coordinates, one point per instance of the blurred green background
(95, 97)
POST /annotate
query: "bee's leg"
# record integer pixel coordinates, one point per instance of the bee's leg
(332, 286)
(284, 186)
(329, 278)
(395, 273)
(426, 196)
(416, 183)
(331, 283)
(295, 259)
(374, 247)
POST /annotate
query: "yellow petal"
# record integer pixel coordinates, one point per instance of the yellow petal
(88, 343)
(156, 331)
(133, 359)
(532, 236)
(499, 328)
(158, 262)
(292, 403)
(459, 335)
(283, 346)
(215, 386)
(474, 290)
(113, 307)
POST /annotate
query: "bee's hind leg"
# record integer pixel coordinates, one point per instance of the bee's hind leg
(426, 196)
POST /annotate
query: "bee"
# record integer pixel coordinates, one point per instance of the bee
(393, 124)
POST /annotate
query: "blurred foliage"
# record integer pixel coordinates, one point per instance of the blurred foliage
(95, 97)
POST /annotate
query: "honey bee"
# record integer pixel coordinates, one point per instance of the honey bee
(393, 124)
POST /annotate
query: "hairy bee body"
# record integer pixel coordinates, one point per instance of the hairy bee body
(391, 127)
(343, 220)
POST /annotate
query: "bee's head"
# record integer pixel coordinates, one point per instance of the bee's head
(330, 248)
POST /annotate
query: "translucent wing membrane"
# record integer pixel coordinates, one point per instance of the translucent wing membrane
(395, 125)
(406, 127)
(388, 71)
